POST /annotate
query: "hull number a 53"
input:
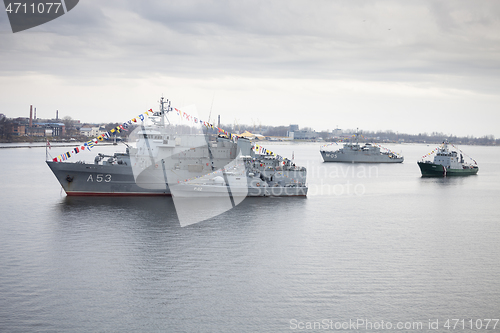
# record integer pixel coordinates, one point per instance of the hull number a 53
(99, 178)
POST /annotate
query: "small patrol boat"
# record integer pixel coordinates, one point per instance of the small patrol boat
(447, 162)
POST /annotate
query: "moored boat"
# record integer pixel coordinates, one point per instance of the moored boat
(158, 161)
(447, 163)
(353, 152)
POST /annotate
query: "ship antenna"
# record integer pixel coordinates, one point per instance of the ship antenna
(169, 109)
(210, 113)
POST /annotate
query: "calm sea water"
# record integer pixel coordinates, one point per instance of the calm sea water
(371, 244)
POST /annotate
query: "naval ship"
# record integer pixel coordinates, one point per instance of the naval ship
(353, 152)
(447, 163)
(158, 161)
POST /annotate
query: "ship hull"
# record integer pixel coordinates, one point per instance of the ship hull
(80, 179)
(358, 157)
(438, 170)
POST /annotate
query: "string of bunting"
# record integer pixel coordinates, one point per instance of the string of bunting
(390, 151)
(461, 152)
(441, 146)
(330, 144)
(263, 151)
(105, 136)
(256, 148)
(433, 151)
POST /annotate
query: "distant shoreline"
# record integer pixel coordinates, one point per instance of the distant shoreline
(12, 145)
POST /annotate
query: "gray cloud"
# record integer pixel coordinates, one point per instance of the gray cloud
(285, 38)
(446, 45)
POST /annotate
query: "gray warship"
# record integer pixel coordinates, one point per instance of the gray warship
(157, 161)
(353, 152)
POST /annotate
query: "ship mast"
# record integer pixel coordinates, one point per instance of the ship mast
(444, 148)
(164, 109)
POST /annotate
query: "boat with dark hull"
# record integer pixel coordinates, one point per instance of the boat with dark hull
(160, 162)
(353, 152)
(447, 163)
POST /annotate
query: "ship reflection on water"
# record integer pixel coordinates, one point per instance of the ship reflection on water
(161, 210)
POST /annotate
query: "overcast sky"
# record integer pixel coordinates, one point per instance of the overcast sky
(406, 66)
